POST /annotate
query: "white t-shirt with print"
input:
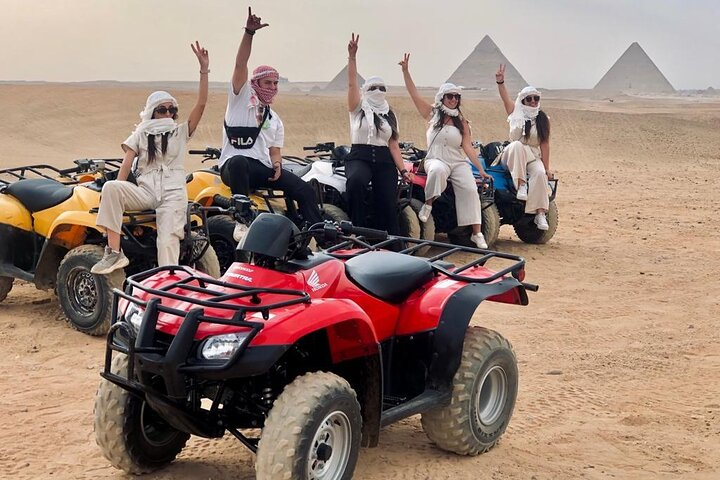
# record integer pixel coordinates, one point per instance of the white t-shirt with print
(359, 130)
(242, 110)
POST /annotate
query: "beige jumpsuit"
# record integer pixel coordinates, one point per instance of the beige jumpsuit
(160, 186)
(445, 161)
(524, 160)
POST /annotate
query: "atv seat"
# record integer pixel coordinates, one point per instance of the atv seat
(297, 169)
(390, 276)
(38, 194)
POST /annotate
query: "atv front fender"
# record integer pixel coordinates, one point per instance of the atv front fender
(70, 228)
(349, 330)
(454, 321)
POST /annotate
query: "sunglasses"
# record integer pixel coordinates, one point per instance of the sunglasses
(377, 87)
(163, 110)
(532, 98)
(450, 96)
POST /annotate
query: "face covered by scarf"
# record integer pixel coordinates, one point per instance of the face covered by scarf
(150, 126)
(373, 102)
(264, 94)
(439, 106)
(523, 113)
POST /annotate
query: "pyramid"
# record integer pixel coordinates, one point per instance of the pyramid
(340, 82)
(634, 72)
(478, 69)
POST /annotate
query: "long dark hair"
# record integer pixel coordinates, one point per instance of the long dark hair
(542, 122)
(390, 118)
(163, 142)
(457, 121)
(151, 145)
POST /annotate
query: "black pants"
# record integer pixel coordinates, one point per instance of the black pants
(242, 173)
(365, 164)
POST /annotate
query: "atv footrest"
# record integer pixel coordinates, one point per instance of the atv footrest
(422, 403)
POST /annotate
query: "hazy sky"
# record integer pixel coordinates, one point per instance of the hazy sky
(553, 43)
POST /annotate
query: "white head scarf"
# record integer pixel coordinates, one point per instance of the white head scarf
(438, 106)
(373, 102)
(150, 126)
(522, 113)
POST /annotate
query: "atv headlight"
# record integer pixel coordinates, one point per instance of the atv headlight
(222, 347)
(134, 315)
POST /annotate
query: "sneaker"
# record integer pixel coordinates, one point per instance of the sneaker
(110, 262)
(522, 192)
(479, 240)
(541, 221)
(239, 231)
(424, 212)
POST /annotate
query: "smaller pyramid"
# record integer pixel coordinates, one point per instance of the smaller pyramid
(340, 82)
(478, 69)
(634, 72)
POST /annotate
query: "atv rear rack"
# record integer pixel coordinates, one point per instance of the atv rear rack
(63, 175)
(438, 260)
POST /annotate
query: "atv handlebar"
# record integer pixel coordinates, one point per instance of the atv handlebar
(321, 147)
(349, 229)
(209, 153)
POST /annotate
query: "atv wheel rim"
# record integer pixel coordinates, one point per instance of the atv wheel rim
(82, 291)
(330, 448)
(491, 396)
(155, 431)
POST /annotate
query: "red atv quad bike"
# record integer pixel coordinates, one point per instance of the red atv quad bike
(319, 351)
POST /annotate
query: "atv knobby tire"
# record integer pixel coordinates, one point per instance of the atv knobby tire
(483, 396)
(490, 224)
(333, 213)
(529, 233)
(6, 284)
(86, 298)
(220, 228)
(313, 431)
(130, 434)
(418, 229)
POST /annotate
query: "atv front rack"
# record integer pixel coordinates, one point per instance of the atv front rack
(63, 175)
(171, 354)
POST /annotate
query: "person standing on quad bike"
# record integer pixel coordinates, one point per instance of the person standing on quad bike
(449, 146)
(527, 157)
(375, 153)
(254, 135)
(159, 143)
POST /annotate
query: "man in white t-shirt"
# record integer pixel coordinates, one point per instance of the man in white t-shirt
(253, 136)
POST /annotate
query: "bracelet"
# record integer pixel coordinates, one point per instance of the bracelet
(499, 83)
(205, 72)
(249, 32)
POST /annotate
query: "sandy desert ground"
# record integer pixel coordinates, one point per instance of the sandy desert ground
(619, 351)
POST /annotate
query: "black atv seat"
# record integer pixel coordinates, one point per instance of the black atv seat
(296, 168)
(37, 194)
(390, 276)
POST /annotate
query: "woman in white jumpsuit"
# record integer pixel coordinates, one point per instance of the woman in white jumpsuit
(449, 148)
(527, 157)
(159, 144)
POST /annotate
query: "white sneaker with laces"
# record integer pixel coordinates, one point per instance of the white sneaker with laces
(479, 240)
(522, 192)
(541, 221)
(110, 262)
(239, 231)
(424, 212)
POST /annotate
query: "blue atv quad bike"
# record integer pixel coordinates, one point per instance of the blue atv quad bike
(512, 210)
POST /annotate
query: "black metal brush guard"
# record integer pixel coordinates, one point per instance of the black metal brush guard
(174, 362)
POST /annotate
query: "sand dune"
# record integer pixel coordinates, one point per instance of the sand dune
(618, 351)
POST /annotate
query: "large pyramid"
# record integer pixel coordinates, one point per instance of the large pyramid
(634, 72)
(340, 82)
(478, 69)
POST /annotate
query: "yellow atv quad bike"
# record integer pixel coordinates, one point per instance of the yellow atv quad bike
(205, 187)
(48, 237)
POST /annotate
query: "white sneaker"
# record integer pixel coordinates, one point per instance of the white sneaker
(239, 231)
(522, 192)
(424, 212)
(479, 240)
(110, 262)
(541, 221)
